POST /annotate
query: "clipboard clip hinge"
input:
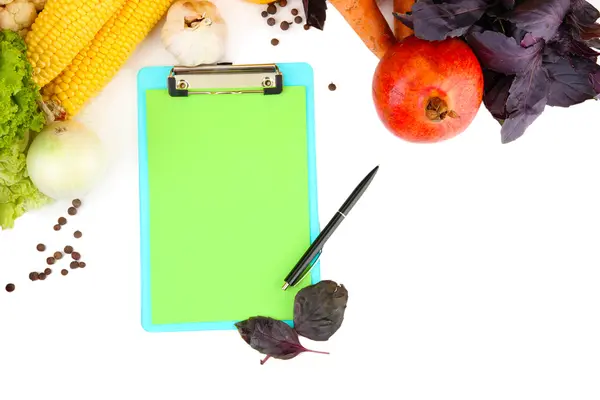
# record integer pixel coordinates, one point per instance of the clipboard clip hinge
(225, 79)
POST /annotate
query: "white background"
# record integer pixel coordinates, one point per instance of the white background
(473, 267)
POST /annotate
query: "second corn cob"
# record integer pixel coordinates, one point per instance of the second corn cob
(61, 30)
(93, 67)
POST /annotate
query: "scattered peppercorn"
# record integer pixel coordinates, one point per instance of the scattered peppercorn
(284, 25)
(264, 14)
(76, 203)
(271, 21)
(10, 287)
(271, 9)
(298, 19)
(274, 42)
(306, 27)
(332, 86)
(294, 11)
(282, 3)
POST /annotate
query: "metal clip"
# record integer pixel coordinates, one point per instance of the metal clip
(225, 79)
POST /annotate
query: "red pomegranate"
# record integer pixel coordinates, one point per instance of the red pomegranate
(428, 91)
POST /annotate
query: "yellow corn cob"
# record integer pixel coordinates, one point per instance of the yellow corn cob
(98, 62)
(61, 30)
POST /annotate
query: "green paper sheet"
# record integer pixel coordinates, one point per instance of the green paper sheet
(229, 204)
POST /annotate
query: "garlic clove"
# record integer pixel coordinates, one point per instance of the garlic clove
(194, 32)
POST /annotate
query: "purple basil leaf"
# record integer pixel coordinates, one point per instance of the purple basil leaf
(487, 23)
(501, 53)
(590, 32)
(582, 21)
(551, 55)
(541, 18)
(518, 34)
(271, 337)
(581, 49)
(437, 21)
(595, 81)
(565, 43)
(595, 43)
(319, 310)
(315, 12)
(526, 102)
(508, 4)
(406, 19)
(497, 10)
(496, 91)
(583, 13)
(571, 81)
(529, 40)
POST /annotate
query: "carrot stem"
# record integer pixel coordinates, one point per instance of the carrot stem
(367, 20)
(402, 31)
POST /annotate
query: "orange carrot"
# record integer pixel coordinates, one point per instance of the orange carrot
(367, 20)
(402, 31)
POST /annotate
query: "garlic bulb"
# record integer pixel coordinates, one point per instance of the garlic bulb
(194, 32)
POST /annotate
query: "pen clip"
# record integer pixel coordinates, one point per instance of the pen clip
(311, 265)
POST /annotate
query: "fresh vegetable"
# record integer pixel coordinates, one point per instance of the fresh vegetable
(272, 338)
(535, 53)
(319, 310)
(62, 30)
(39, 4)
(66, 160)
(426, 92)
(18, 194)
(318, 314)
(97, 61)
(17, 15)
(194, 32)
(315, 12)
(400, 30)
(366, 19)
(20, 117)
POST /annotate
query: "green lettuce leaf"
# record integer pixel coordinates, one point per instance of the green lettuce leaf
(20, 117)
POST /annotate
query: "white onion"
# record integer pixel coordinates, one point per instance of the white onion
(66, 160)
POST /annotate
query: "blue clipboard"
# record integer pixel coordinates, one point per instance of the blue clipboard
(156, 77)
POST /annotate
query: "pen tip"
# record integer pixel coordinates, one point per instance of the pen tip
(285, 286)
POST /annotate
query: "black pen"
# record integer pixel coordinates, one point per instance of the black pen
(314, 251)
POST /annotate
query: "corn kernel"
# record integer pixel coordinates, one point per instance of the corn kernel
(92, 66)
(60, 32)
